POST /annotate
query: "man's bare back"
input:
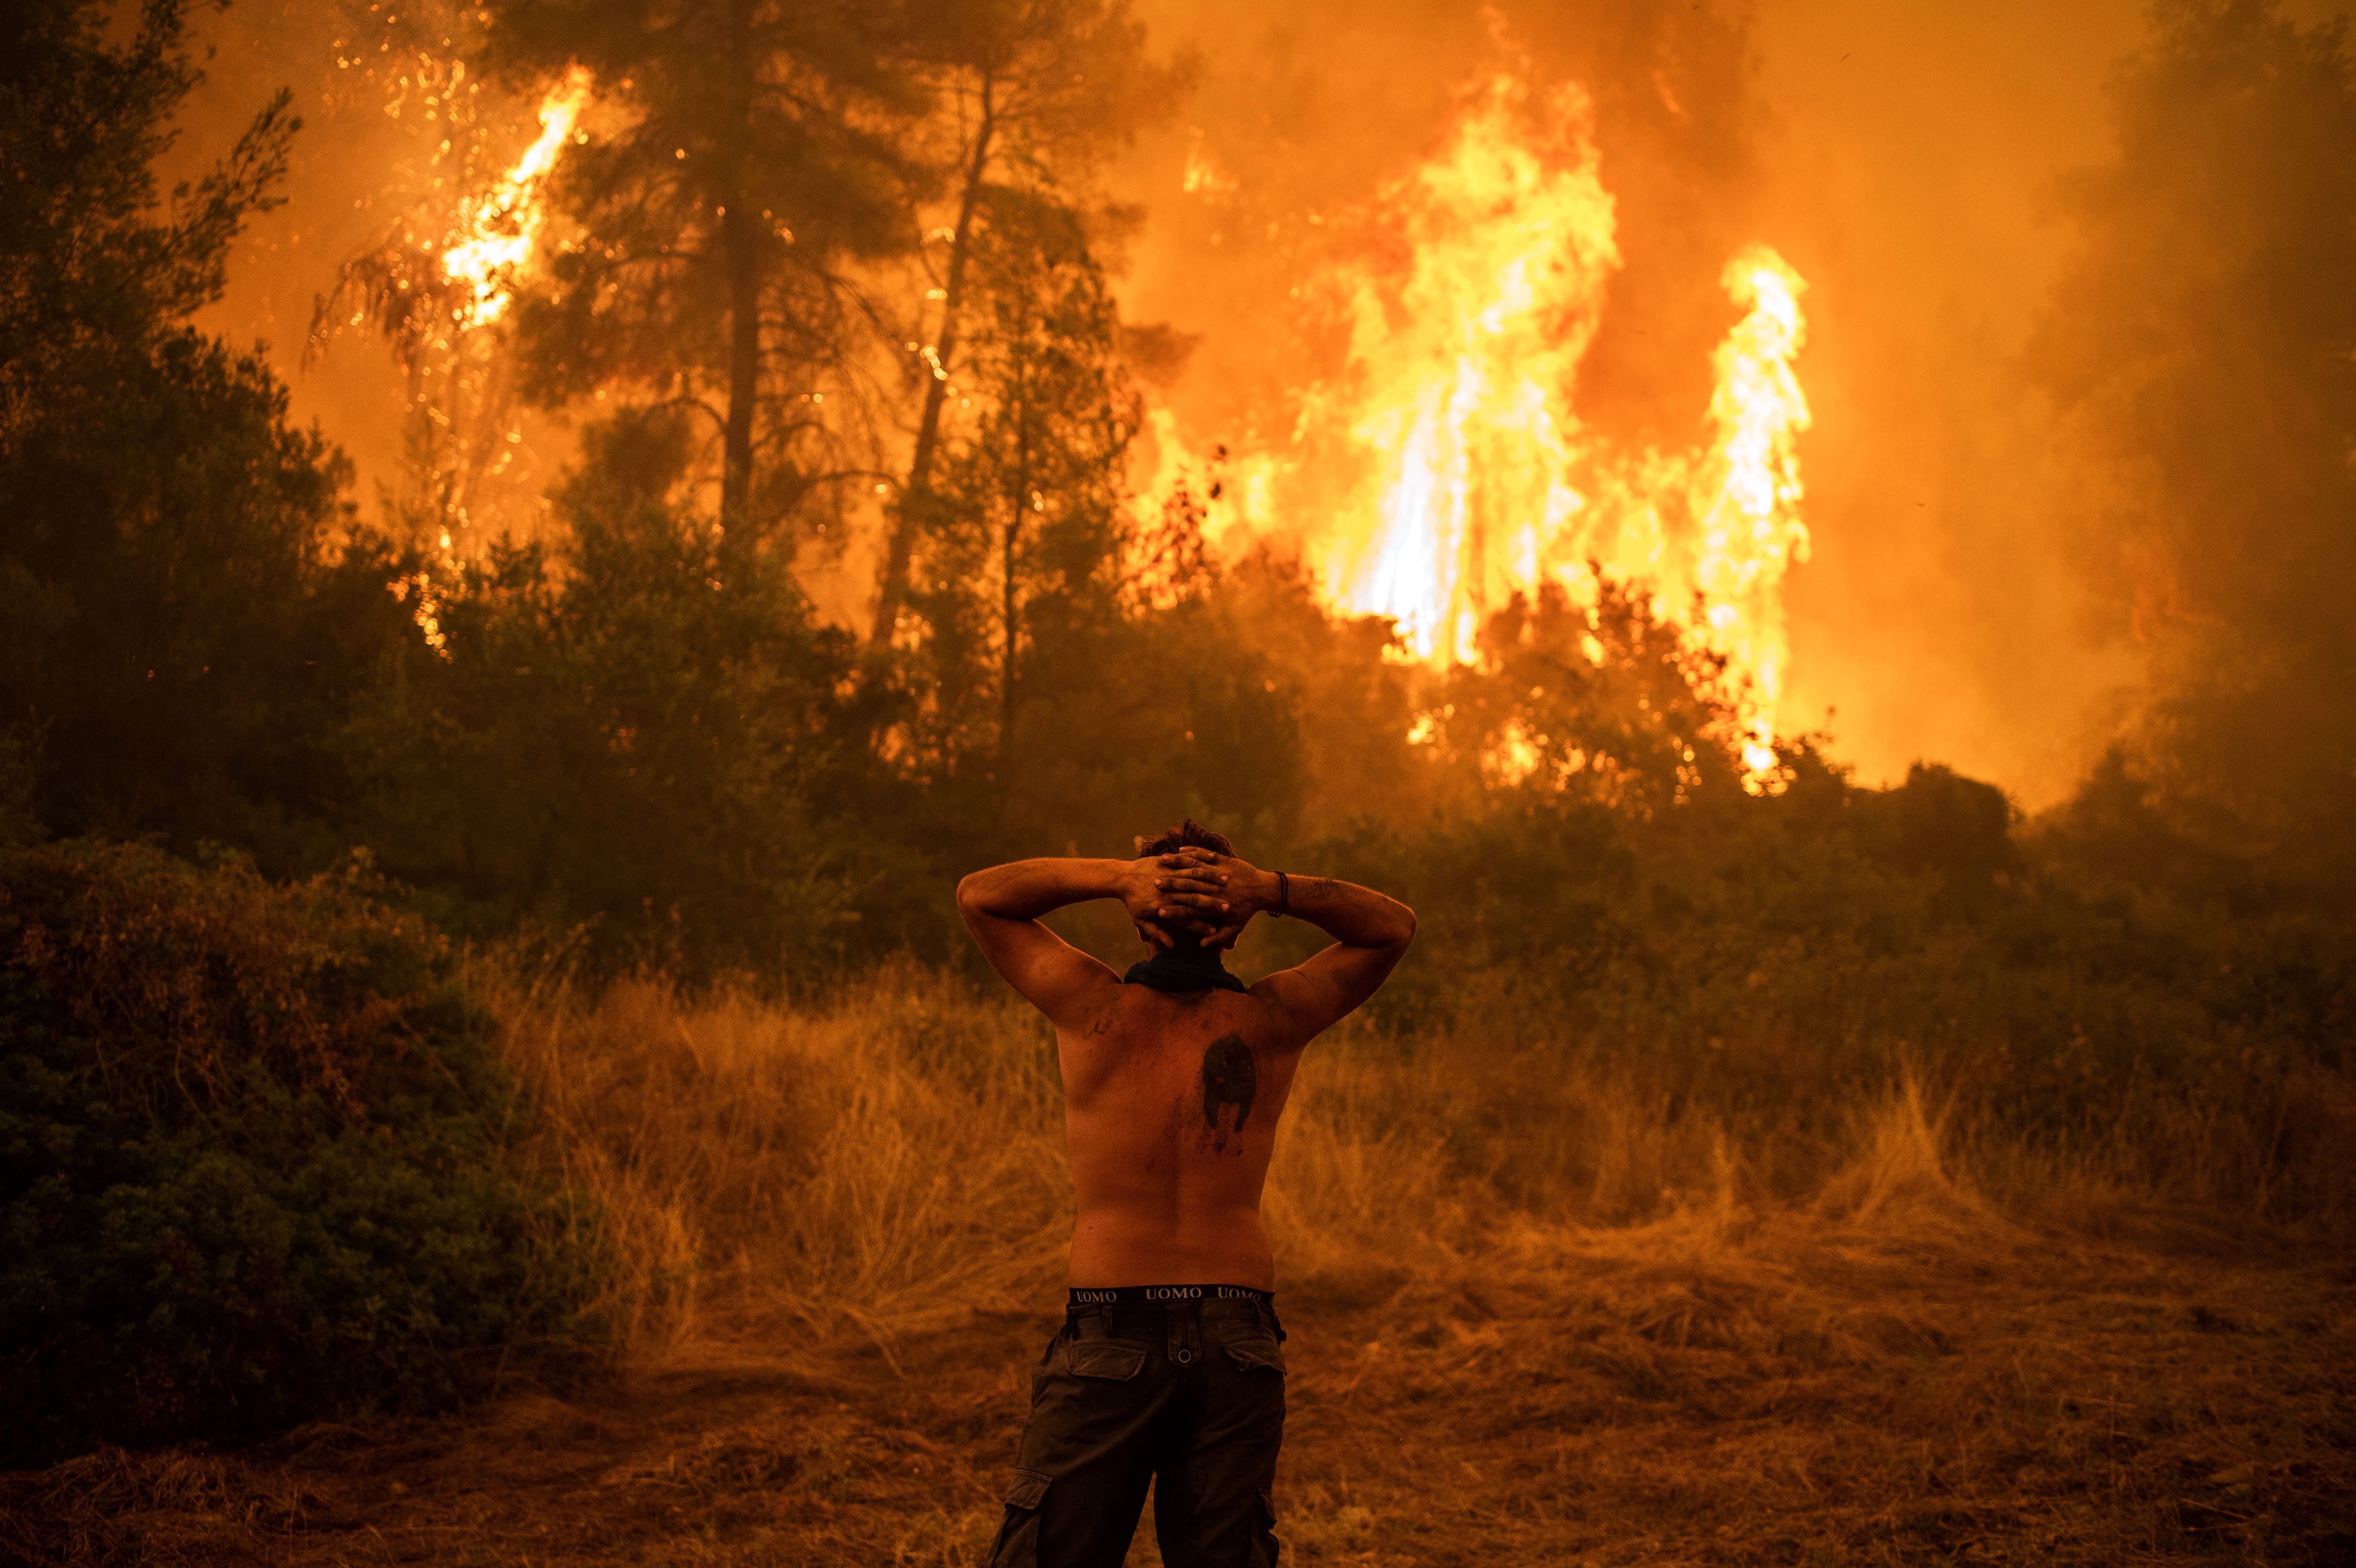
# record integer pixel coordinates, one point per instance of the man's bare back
(1169, 1370)
(1172, 1097)
(1171, 1103)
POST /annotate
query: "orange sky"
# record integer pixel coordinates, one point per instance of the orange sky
(1904, 158)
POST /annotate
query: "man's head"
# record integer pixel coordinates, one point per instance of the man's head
(1188, 834)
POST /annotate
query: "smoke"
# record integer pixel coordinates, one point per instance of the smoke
(1907, 161)
(1935, 176)
(1901, 159)
(386, 141)
(1917, 155)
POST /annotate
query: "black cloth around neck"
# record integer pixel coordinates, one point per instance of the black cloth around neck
(1183, 969)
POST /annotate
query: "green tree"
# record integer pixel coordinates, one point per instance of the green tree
(256, 1160)
(1022, 532)
(633, 736)
(187, 627)
(2203, 346)
(1033, 95)
(754, 156)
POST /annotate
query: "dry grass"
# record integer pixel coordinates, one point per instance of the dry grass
(1535, 1318)
(763, 1172)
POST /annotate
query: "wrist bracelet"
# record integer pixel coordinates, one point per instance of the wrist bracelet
(1283, 894)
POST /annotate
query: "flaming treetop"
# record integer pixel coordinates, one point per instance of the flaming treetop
(1472, 477)
(502, 226)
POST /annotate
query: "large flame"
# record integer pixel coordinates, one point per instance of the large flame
(1465, 374)
(1467, 475)
(503, 224)
(1747, 498)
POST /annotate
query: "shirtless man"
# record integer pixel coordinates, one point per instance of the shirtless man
(1168, 1366)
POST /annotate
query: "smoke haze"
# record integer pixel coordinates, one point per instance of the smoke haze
(1905, 160)
(1917, 156)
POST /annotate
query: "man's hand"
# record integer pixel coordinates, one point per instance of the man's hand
(1156, 895)
(1212, 896)
(1140, 891)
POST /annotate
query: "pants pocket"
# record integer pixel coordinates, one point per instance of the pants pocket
(1109, 1359)
(1255, 1351)
(1050, 1360)
(1018, 1539)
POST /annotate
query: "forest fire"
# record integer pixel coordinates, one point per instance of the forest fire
(503, 225)
(629, 873)
(1472, 477)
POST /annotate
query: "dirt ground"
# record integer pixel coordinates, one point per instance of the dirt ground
(1763, 1393)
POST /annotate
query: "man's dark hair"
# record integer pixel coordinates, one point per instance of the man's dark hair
(1181, 835)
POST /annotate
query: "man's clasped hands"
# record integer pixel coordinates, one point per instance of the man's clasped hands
(1196, 895)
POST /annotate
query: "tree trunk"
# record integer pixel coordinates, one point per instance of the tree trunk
(742, 242)
(475, 457)
(1007, 613)
(1009, 602)
(741, 238)
(904, 517)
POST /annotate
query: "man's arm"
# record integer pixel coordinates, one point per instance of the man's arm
(1370, 929)
(1003, 905)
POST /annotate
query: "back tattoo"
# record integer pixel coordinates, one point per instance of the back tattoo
(1228, 1079)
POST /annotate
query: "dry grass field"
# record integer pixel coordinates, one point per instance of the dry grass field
(1534, 1319)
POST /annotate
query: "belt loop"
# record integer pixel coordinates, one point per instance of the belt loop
(1186, 1332)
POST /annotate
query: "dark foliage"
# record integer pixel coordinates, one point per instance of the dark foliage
(1760, 961)
(630, 739)
(756, 163)
(2203, 352)
(251, 1160)
(185, 634)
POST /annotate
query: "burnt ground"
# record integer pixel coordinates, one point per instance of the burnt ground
(1789, 1397)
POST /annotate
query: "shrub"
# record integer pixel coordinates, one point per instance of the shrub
(251, 1167)
(634, 744)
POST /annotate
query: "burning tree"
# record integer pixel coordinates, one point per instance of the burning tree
(1033, 96)
(753, 152)
(1448, 468)
(1609, 702)
(439, 287)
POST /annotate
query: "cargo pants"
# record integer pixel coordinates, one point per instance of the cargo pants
(1188, 1395)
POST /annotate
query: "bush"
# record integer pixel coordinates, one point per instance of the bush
(1769, 963)
(250, 1160)
(634, 744)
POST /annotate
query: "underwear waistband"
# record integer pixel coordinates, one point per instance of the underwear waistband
(1165, 1294)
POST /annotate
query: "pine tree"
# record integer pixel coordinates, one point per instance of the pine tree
(1021, 536)
(754, 159)
(1033, 95)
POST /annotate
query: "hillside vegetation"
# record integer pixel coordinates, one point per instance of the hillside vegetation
(1538, 1312)
(251, 1166)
